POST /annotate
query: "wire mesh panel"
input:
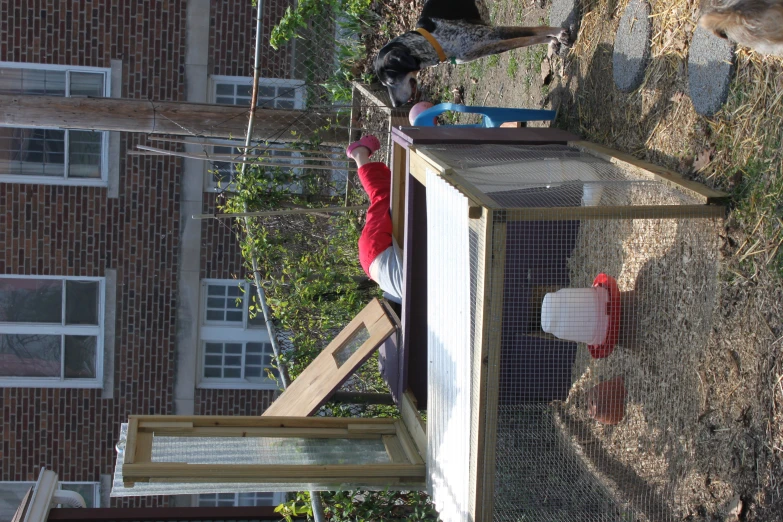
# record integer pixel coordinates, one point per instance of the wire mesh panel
(602, 283)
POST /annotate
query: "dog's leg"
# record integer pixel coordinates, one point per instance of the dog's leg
(504, 39)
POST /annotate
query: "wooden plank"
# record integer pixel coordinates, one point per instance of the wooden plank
(451, 135)
(652, 171)
(394, 450)
(486, 472)
(377, 429)
(407, 483)
(626, 212)
(164, 425)
(476, 197)
(413, 422)
(419, 163)
(143, 448)
(130, 440)
(320, 433)
(407, 444)
(399, 175)
(375, 97)
(326, 373)
(269, 472)
(268, 421)
(479, 368)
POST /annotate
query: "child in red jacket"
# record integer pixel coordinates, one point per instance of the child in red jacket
(379, 253)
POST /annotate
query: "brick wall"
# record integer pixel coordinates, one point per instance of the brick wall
(232, 39)
(68, 231)
(80, 231)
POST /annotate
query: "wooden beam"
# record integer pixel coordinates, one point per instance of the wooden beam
(159, 117)
(621, 212)
(413, 422)
(649, 170)
(269, 472)
(261, 422)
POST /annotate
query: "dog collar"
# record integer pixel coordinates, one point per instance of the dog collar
(435, 45)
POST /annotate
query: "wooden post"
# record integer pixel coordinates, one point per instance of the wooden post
(159, 117)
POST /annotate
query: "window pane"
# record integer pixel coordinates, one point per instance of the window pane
(245, 90)
(87, 491)
(11, 495)
(30, 355)
(224, 89)
(267, 91)
(233, 291)
(25, 300)
(213, 315)
(256, 499)
(235, 317)
(285, 104)
(211, 372)
(32, 81)
(287, 92)
(80, 356)
(233, 348)
(223, 100)
(84, 154)
(87, 84)
(37, 152)
(216, 290)
(232, 373)
(81, 302)
(216, 302)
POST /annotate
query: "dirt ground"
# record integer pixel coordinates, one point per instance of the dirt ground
(736, 433)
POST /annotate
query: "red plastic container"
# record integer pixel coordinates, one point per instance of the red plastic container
(606, 401)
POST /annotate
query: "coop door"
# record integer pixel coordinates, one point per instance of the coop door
(335, 364)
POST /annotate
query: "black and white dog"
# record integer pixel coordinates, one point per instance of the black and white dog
(450, 30)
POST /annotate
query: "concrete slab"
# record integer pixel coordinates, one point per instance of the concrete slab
(632, 46)
(564, 13)
(710, 69)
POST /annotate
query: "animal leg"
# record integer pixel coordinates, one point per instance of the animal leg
(515, 37)
(508, 33)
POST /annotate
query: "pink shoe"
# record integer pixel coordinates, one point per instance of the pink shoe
(370, 142)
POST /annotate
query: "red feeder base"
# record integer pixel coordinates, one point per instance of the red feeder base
(600, 351)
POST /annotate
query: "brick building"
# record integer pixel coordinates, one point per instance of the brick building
(112, 300)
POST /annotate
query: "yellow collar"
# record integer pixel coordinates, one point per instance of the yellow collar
(433, 42)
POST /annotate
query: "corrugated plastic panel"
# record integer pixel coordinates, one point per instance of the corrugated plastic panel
(449, 348)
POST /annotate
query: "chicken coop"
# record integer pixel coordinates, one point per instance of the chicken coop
(569, 293)
(557, 300)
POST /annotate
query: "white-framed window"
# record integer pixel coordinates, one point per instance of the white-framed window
(51, 331)
(234, 349)
(53, 156)
(12, 493)
(273, 93)
(240, 499)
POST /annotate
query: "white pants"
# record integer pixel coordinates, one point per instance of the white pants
(386, 270)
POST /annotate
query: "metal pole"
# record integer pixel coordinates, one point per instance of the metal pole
(287, 212)
(315, 497)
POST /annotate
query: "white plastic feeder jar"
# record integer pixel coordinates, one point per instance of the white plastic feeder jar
(577, 314)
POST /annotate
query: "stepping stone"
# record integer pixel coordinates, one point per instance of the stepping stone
(710, 67)
(564, 13)
(632, 46)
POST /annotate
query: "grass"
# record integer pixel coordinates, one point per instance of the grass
(512, 67)
(493, 60)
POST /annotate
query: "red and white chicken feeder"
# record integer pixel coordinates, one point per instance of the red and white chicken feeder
(585, 315)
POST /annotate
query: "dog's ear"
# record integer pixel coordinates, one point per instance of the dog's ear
(395, 60)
